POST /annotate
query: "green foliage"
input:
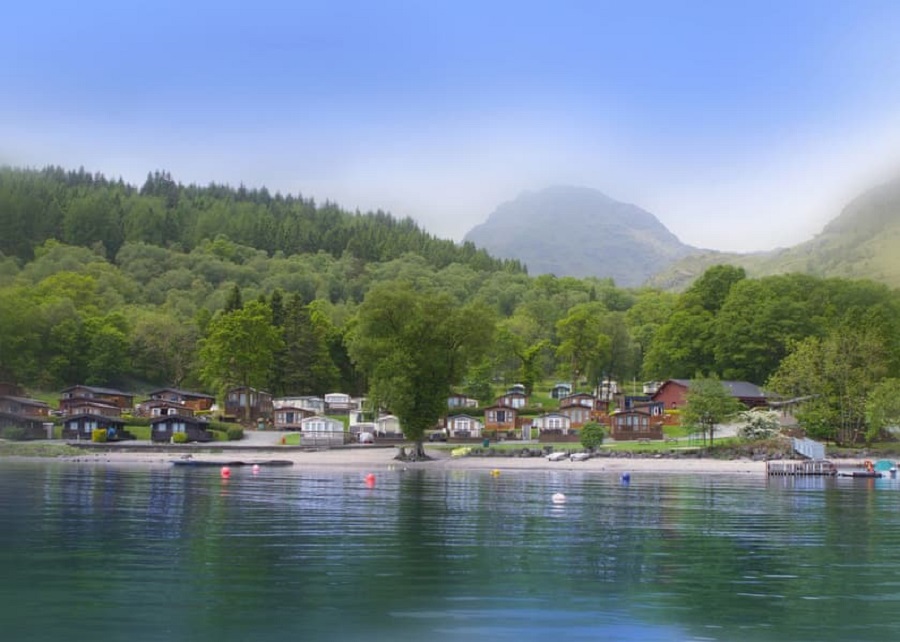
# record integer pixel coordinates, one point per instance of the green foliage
(833, 377)
(414, 346)
(758, 424)
(708, 403)
(179, 438)
(592, 435)
(882, 408)
(239, 347)
(13, 433)
(235, 433)
(98, 435)
(582, 340)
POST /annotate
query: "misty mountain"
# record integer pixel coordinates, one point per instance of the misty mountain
(860, 243)
(576, 231)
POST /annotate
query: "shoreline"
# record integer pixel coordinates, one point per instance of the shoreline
(382, 458)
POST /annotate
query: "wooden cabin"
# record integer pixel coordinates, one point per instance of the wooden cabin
(77, 406)
(161, 408)
(122, 400)
(16, 426)
(634, 424)
(316, 405)
(461, 401)
(499, 419)
(291, 417)
(82, 427)
(512, 400)
(248, 404)
(163, 428)
(673, 393)
(24, 406)
(194, 401)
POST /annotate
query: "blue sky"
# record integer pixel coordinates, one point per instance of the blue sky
(742, 126)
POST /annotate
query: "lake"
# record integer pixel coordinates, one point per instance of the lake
(107, 552)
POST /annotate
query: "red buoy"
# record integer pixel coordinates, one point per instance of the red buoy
(226, 472)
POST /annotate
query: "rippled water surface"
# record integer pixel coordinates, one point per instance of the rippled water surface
(101, 553)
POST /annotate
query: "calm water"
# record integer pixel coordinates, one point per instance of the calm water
(106, 553)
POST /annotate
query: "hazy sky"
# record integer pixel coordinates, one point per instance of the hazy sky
(741, 125)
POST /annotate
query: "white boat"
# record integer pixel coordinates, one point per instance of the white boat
(557, 456)
(580, 456)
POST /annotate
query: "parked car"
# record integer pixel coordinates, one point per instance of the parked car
(439, 435)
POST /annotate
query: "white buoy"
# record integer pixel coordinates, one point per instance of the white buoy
(559, 498)
(255, 469)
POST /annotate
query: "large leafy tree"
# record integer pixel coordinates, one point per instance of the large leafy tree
(683, 344)
(709, 403)
(834, 377)
(758, 322)
(239, 348)
(414, 346)
(882, 408)
(582, 341)
(307, 366)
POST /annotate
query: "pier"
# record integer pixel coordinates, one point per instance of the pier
(820, 467)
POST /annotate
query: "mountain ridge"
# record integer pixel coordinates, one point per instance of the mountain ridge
(579, 232)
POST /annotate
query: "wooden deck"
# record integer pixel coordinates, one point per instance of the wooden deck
(820, 467)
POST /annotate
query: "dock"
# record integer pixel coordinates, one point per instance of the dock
(817, 467)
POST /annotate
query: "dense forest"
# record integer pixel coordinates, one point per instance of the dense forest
(109, 284)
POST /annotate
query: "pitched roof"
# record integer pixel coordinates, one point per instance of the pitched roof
(90, 415)
(743, 389)
(26, 401)
(183, 393)
(102, 391)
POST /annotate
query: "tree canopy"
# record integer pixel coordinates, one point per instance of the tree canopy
(414, 346)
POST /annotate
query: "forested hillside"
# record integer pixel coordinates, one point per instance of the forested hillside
(209, 311)
(89, 210)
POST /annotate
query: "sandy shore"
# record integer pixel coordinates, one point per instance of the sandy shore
(375, 459)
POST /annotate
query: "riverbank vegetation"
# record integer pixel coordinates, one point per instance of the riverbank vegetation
(110, 284)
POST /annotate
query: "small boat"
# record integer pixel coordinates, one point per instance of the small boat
(206, 463)
(580, 456)
(858, 473)
(881, 468)
(557, 456)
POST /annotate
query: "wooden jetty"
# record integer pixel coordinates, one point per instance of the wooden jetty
(819, 467)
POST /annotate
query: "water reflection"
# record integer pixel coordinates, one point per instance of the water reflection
(165, 553)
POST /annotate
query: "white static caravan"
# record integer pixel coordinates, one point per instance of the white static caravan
(322, 431)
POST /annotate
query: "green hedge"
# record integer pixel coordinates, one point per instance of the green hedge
(235, 433)
(98, 435)
(179, 438)
(13, 433)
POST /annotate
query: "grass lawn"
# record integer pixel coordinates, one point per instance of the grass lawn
(31, 449)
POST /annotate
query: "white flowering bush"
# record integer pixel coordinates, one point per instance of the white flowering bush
(758, 424)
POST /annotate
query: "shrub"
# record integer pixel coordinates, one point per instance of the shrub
(13, 433)
(98, 435)
(592, 435)
(179, 438)
(235, 433)
(758, 424)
